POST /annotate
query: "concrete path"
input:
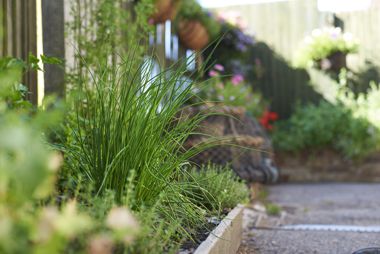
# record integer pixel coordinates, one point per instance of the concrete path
(316, 204)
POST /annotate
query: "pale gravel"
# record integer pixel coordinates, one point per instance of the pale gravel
(336, 204)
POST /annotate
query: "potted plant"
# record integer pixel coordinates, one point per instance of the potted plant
(327, 49)
(164, 10)
(195, 27)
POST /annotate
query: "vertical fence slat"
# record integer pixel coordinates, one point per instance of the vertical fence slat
(32, 47)
(17, 34)
(8, 28)
(2, 26)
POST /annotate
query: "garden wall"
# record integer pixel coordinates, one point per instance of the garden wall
(326, 166)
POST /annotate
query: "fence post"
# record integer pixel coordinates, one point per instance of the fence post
(53, 44)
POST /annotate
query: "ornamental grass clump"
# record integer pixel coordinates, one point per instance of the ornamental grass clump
(125, 121)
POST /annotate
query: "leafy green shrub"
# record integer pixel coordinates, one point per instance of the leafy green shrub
(219, 187)
(365, 105)
(326, 125)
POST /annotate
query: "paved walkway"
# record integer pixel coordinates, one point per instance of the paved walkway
(317, 204)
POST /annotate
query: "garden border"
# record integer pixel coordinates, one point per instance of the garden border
(227, 236)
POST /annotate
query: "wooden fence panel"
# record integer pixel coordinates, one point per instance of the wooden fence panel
(365, 26)
(19, 35)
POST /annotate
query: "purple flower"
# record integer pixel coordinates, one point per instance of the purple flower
(219, 67)
(213, 73)
(241, 47)
(237, 79)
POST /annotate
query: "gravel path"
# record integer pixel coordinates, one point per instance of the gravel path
(327, 204)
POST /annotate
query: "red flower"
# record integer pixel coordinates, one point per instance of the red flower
(267, 118)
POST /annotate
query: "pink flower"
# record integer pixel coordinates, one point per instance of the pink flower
(237, 79)
(219, 67)
(213, 73)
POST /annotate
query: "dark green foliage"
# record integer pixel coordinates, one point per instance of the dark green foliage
(326, 125)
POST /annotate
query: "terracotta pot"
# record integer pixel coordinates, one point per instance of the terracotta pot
(164, 10)
(193, 34)
(335, 62)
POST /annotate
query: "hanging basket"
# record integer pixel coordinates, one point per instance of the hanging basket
(243, 143)
(335, 62)
(164, 10)
(193, 34)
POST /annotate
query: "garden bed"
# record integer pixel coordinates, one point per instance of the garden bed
(326, 166)
(226, 237)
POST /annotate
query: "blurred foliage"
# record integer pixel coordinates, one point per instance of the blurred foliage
(30, 222)
(264, 70)
(327, 125)
(273, 209)
(39, 214)
(228, 91)
(323, 43)
(359, 81)
(231, 51)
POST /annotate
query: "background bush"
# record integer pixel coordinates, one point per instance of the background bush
(326, 125)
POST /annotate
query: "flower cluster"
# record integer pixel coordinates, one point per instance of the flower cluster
(267, 119)
(230, 91)
(218, 69)
(324, 42)
(238, 40)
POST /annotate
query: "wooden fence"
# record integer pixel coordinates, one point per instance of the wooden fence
(19, 35)
(20, 32)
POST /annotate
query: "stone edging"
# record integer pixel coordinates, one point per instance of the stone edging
(227, 236)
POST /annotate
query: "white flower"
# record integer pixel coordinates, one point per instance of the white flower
(123, 222)
(120, 218)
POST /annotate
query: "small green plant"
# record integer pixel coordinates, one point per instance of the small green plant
(273, 209)
(323, 43)
(219, 187)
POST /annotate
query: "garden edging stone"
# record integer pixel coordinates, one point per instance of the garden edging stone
(227, 236)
